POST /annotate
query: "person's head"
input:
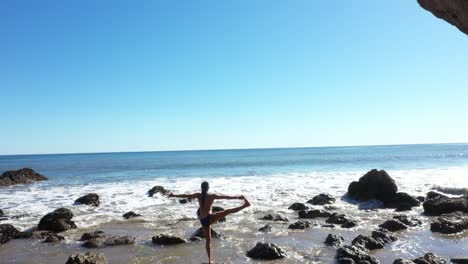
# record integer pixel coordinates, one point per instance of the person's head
(204, 187)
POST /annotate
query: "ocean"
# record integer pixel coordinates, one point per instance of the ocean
(272, 179)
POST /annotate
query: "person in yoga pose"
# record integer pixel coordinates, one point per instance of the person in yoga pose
(206, 217)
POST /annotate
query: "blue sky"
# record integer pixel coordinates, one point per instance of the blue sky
(98, 76)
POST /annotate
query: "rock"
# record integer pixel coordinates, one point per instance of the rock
(439, 205)
(393, 225)
(167, 240)
(322, 199)
(459, 260)
(267, 228)
(429, 258)
(200, 234)
(215, 209)
(346, 261)
(266, 251)
(130, 214)
(40, 234)
(435, 195)
(454, 12)
(334, 240)
(95, 234)
(21, 176)
(328, 225)
(89, 199)
(450, 223)
(407, 220)
(402, 201)
(157, 189)
(310, 214)
(356, 253)
(383, 235)
(298, 207)
(402, 261)
(341, 219)
(300, 225)
(101, 242)
(1, 212)
(275, 217)
(403, 208)
(184, 201)
(57, 221)
(373, 185)
(54, 238)
(421, 199)
(368, 242)
(7, 232)
(87, 258)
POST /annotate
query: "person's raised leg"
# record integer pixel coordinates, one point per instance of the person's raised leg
(207, 231)
(215, 217)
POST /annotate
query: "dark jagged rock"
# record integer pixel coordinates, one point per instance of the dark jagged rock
(342, 220)
(348, 261)
(95, 234)
(402, 261)
(1, 212)
(310, 214)
(402, 202)
(57, 221)
(87, 258)
(373, 185)
(459, 260)
(298, 207)
(216, 209)
(275, 217)
(368, 242)
(184, 201)
(435, 195)
(454, 12)
(89, 199)
(421, 199)
(438, 205)
(130, 214)
(167, 240)
(7, 232)
(328, 225)
(200, 234)
(393, 225)
(356, 253)
(267, 228)
(266, 251)
(300, 225)
(407, 220)
(157, 189)
(322, 199)
(334, 240)
(450, 223)
(383, 235)
(54, 238)
(22, 176)
(429, 258)
(108, 241)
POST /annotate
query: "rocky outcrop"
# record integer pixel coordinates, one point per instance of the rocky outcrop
(454, 12)
(167, 240)
(265, 229)
(342, 220)
(87, 258)
(300, 225)
(21, 176)
(266, 251)
(393, 225)
(310, 214)
(52, 238)
(275, 217)
(437, 204)
(377, 240)
(355, 253)
(408, 220)
(111, 241)
(1, 213)
(334, 240)
(57, 221)
(298, 207)
(429, 258)
(89, 199)
(384, 235)
(7, 232)
(200, 234)
(157, 189)
(450, 223)
(130, 214)
(215, 209)
(95, 234)
(322, 199)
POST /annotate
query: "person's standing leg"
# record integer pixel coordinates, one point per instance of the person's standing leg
(207, 230)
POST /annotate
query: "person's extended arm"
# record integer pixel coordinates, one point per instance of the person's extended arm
(190, 196)
(227, 197)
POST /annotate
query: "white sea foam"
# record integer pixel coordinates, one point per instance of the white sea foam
(267, 193)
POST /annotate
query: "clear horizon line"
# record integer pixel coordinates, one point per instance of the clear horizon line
(216, 149)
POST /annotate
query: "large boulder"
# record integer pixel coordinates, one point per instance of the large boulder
(22, 176)
(111, 241)
(322, 199)
(8, 232)
(429, 258)
(440, 204)
(89, 199)
(334, 240)
(393, 225)
(402, 202)
(368, 242)
(57, 221)
(383, 235)
(341, 219)
(450, 223)
(95, 234)
(157, 189)
(87, 258)
(374, 184)
(298, 207)
(310, 214)
(266, 251)
(167, 240)
(454, 12)
(355, 253)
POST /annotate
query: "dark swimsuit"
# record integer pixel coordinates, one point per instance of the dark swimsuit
(204, 221)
